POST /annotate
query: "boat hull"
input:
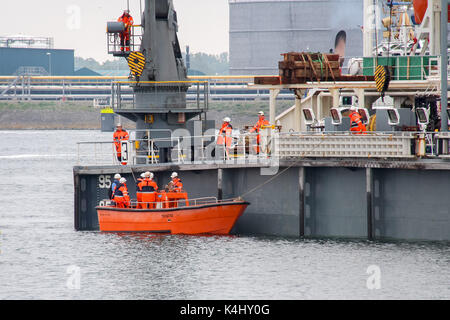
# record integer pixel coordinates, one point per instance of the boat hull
(216, 219)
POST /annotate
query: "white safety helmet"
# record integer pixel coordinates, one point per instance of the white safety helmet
(123, 180)
(118, 125)
(226, 119)
(261, 113)
(117, 176)
(174, 175)
(148, 174)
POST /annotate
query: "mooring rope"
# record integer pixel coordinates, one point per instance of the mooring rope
(283, 171)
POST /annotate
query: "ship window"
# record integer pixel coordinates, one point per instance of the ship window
(422, 115)
(309, 116)
(337, 116)
(364, 115)
(394, 118)
(347, 101)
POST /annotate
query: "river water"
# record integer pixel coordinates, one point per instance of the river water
(42, 257)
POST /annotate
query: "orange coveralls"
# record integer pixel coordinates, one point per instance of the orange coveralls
(147, 188)
(175, 193)
(177, 186)
(225, 137)
(120, 136)
(121, 196)
(127, 19)
(357, 126)
(257, 128)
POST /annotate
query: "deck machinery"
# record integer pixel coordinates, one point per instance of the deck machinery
(160, 87)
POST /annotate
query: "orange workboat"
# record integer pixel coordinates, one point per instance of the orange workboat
(198, 216)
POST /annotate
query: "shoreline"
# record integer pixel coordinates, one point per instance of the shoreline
(35, 115)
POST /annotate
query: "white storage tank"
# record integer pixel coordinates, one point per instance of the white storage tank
(260, 30)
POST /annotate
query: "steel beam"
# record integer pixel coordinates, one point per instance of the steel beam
(301, 183)
(444, 64)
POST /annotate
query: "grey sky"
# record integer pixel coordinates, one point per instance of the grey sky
(203, 23)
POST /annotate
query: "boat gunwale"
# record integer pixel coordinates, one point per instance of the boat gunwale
(173, 209)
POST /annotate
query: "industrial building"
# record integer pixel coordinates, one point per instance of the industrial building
(21, 55)
(262, 29)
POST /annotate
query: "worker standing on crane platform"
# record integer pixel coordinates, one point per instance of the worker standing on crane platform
(119, 136)
(125, 36)
(262, 122)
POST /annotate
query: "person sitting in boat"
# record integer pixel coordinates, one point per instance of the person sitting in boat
(175, 185)
(148, 189)
(121, 197)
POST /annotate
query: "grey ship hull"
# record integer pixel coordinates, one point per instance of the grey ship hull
(359, 199)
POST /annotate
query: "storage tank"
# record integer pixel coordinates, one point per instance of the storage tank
(260, 30)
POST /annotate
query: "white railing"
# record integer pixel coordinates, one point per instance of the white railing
(345, 145)
(96, 153)
(194, 149)
(273, 146)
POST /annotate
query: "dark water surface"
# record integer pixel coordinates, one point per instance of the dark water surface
(38, 244)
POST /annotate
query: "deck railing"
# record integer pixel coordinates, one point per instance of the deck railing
(272, 147)
(167, 204)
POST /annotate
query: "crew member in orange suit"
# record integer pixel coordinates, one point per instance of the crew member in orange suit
(224, 138)
(175, 185)
(357, 126)
(148, 188)
(127, 20)
(257, 128)
(138, 191)
(121, 196)
(119, 136)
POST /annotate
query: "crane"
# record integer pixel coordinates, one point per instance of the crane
(160, 78)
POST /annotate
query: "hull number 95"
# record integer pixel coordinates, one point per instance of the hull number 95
(104, 182)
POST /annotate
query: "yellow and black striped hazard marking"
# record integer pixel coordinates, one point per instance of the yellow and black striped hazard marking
(382, 78)
(136, 62)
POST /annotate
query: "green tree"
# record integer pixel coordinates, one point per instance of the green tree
(209, 64)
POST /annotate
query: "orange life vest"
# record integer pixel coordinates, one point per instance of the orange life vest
(120, 136)
(121, 196)
(147, 185)
(146, 190)
(357, 126)
(177, 185)
(127, 21)
(261, 122)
